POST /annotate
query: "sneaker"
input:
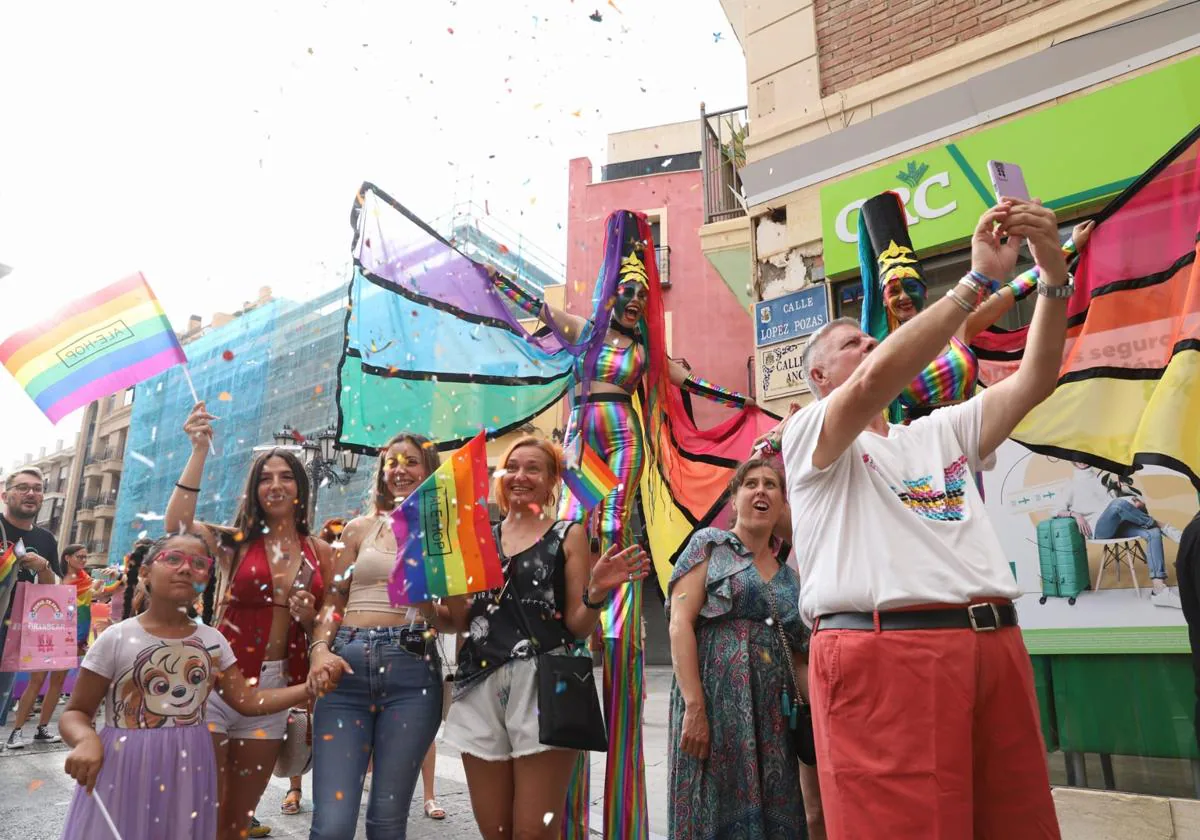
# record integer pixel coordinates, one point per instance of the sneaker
(16, 741)
(1157, 587)
(1166, 598)
(257, 829)
(1171, 532)
(45, 736)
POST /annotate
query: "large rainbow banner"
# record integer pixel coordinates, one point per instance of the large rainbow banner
(95, 346)
(444, 542)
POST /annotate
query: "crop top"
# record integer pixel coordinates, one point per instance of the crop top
(620, 366)
(369, 581)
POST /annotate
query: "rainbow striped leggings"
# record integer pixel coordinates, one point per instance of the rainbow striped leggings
(613, 429)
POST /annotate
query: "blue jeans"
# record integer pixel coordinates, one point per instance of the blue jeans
(389, 708)
(1122, 518)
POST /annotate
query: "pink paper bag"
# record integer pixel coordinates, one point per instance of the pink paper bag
(41, 636)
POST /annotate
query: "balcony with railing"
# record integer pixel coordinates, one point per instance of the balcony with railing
(97, 553)
(723, 134)
(106, 504)
(86, 511)
(112, 459)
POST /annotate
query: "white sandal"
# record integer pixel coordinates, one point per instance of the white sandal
(433, 810)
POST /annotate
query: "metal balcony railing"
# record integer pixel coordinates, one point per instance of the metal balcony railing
(722, 135)
(88, 503)
(109, 498)
(662, 255)
(97, 547)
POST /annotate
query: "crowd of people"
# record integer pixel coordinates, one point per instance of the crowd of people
(878, 685)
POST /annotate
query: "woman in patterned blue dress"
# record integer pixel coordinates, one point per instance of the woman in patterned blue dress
(734, 774)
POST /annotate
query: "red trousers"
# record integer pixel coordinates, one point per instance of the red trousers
(929, 735)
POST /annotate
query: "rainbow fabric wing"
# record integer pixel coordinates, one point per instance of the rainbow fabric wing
(95, 346)
(444, 541)
(1129, 388)
(592, 480)
(431, 345)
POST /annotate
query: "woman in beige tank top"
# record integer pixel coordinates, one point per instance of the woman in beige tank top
(387, 704)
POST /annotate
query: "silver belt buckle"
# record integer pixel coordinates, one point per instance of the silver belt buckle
(975, 624)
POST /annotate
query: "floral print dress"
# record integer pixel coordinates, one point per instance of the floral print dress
(749, 786)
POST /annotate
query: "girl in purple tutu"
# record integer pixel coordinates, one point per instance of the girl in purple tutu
(152, 765)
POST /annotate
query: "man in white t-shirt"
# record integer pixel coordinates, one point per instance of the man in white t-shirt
(922, 690)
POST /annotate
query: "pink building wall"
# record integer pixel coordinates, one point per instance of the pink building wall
(708, 326)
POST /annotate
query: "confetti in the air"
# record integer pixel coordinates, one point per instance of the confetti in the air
(227, 355)
(225, 396)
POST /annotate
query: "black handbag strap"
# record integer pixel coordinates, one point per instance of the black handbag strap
(788, 661)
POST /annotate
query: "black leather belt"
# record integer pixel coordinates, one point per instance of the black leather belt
(978, 617)
(608, 397)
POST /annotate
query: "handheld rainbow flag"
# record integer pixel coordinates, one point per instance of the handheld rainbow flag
(444, 542)
(592, 481)
(96, 346)
(8, 563)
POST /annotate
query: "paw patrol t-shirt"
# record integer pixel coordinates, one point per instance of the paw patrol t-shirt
(157, 682)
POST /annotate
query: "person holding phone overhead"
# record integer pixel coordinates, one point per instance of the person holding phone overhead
(894, 292)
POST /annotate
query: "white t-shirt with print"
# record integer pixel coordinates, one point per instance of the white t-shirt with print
(157, 682)
(895, 521)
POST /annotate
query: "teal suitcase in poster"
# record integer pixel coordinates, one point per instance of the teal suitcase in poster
(1062, 556)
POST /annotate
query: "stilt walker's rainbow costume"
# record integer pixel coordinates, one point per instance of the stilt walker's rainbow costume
(438, 343)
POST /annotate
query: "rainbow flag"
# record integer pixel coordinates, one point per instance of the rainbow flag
(444, 542)
(8, 563)
(96, 346)
(592, 481)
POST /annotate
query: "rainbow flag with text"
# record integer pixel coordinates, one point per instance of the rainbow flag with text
(98, 345)
(444, 542)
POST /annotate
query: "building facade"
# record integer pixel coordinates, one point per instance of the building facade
(849, 98)
(58, 469)
(657, 171)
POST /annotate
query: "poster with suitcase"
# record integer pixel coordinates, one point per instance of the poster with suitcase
(1091, 551)
(41, 635)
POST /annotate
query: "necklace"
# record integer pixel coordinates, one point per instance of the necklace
(628, 332)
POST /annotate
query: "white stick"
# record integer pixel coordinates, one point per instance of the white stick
(104, 813)
(187, 374)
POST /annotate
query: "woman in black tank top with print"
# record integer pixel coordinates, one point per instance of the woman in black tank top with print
(552, 593)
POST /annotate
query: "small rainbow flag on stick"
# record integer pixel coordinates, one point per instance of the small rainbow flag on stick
(8, 563)
(444, 542)
(592, 481)
(96, 346)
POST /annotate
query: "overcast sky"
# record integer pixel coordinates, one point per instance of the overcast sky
(218, 149)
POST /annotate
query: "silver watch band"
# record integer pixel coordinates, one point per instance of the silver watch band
(1057, 292)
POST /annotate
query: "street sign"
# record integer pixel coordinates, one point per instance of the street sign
(791, 316)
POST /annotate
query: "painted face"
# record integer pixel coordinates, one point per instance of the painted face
(278, 491)
(173, 681)
(403, 469)
(631, 302)
(904, 297)
(528, 478)
(759, 499)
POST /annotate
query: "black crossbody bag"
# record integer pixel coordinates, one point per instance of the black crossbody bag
(569, 714)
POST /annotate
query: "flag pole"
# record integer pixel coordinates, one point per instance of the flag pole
(187, 374)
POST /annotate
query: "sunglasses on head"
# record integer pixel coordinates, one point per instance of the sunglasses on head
(199, 563)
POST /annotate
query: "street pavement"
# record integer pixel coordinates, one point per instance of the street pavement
(35, 792)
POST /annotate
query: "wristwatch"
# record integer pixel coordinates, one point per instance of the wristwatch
(1058, 292)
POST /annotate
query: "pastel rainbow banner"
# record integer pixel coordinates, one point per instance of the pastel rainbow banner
(592, 481)
(444, 542)
(95, 346)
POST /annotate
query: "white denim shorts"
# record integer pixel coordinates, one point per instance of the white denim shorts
(221, 718)
(497, 719)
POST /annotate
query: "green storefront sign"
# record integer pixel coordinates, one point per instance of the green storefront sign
(1076, 153)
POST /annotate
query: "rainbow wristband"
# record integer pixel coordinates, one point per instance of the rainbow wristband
(988, 283)
(1023, 284)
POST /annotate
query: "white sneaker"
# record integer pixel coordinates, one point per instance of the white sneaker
(16, 741)
(43, 735)
(1166, 598)
(1171, 532)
